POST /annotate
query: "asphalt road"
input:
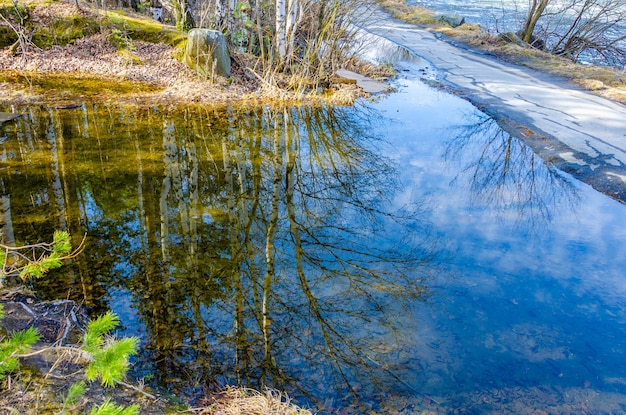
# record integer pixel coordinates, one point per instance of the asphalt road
(579, 132)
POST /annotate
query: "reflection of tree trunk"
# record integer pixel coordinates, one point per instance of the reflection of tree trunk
(140, 200)
(75, 211)
(194, 201)
(153, 278)
(63, 132)
(6, 220)
(55, 139)
(249, 201)
(169, 154)
(270, 260)
(235, 252)
(165, 189)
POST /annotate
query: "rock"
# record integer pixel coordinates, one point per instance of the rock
(7, 116)
(454, 20)
(61, 322)
(157, 13)
(510, 37)
(207, 52)
(535, 42)
(366, 84)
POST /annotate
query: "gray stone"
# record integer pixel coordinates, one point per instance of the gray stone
(510, 37)
(535, 42)
(7, 116)
(367, 84)
(454, 20)
(207, 52)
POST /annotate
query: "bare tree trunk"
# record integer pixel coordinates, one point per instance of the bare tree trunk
(536, 10)
(281, 29)
(287, 20)
(225, 17)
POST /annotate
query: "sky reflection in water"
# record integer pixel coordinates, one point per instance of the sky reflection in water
(534, 297)
(420, 257)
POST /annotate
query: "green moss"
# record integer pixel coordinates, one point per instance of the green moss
(17, 15)
(64, 31)
(7, 37)
(130, 58)
(145, 29)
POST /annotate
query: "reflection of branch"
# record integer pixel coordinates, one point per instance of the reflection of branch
(357, 264)
(290, 175)
(309, 187)
(505, 173)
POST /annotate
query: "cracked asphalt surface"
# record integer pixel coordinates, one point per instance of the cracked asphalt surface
(579, 132)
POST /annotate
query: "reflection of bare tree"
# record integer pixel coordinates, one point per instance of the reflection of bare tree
(505, 173)
(43, 141)
(322, 223)
(253, 245)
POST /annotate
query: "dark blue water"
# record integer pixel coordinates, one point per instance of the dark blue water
(531, 308)
(401, 256)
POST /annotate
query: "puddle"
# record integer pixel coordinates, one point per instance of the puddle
(401, 256)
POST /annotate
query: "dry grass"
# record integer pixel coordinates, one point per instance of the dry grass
(604, 81)
(243, 401)
(411, 14)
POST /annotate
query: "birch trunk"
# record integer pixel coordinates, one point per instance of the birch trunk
(281, 29)
(287, 20)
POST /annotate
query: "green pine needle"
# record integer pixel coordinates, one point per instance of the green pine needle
(74, 393)
(23, 340)
(20, 342)
(111, 363)
(7, 365)
(96, 328)
(34, 269)
(61, 243)
(109, 408)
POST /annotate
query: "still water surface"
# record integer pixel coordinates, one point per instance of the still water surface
(400, 256)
